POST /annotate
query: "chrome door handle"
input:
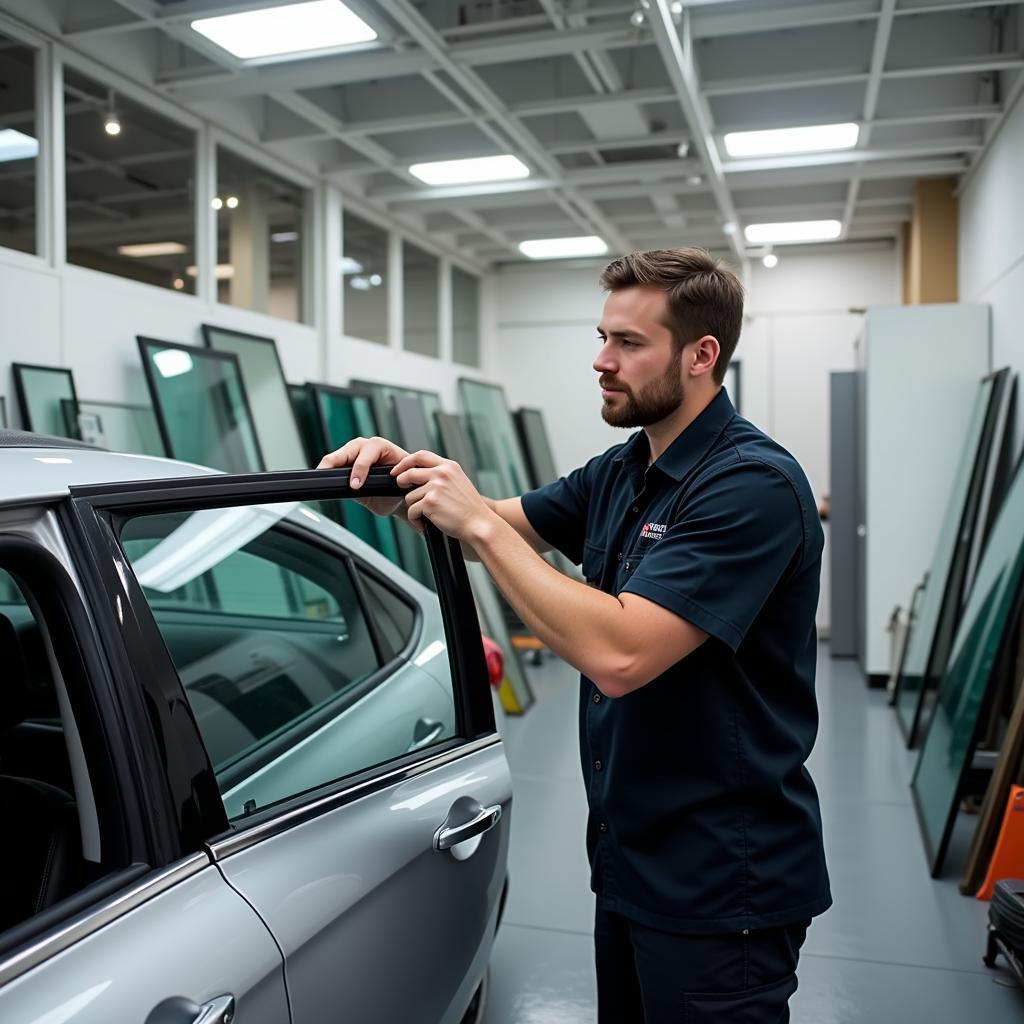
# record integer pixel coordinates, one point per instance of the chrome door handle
(217, 1011)
(179, 1010)
(446, 837)
(424, 734)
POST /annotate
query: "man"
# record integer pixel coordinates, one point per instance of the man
(695, 636)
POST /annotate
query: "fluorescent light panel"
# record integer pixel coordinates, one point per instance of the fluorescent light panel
(561, 248)
(143, 249)
(15, 145)
(292, 29)
(504, 167)
(793, 231)
(782, 141)
(223, 271)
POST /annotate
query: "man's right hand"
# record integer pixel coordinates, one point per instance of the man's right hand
(361, 453)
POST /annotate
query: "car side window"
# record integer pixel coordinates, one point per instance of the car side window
(289, 663)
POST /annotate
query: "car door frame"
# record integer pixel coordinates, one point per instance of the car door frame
(197, 811)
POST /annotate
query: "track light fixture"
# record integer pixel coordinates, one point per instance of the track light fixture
(111, 122)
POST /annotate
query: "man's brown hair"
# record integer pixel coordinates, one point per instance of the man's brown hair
(704, 295)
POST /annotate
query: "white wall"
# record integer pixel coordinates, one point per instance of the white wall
(992, 239)
(88, 321)
(542, 340)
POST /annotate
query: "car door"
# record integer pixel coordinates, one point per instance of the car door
(108, 916)
(368, 802)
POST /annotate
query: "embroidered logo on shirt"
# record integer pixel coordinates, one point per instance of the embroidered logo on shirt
(653, 531)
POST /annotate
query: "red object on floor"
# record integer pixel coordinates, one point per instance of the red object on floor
(1008, 855)
(495, 661)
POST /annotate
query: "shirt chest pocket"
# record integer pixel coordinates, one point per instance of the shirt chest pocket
(593, 563)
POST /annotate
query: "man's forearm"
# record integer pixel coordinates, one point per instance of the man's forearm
(581, 624)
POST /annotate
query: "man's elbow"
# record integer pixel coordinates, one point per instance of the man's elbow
(620, 680)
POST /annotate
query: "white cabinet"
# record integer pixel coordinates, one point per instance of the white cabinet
(919, 368)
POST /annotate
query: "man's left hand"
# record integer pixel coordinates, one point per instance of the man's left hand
(442, 493)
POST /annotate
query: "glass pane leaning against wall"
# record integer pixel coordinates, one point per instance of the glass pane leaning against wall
(19, 146)
(364, 271)
(130, 185)
(260, 220)
(297, 675)
(420, 301)
(465, 318)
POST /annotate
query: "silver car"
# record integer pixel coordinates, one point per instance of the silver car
(248, 768)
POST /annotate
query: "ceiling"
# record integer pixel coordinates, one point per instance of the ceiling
(596, 106)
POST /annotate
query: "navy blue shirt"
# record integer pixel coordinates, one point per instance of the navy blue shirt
(703, 817)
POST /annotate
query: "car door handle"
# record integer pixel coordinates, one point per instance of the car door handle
(448, 836)
(425, 732)
(179, 1010)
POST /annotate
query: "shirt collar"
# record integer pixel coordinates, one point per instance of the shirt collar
(688, 449)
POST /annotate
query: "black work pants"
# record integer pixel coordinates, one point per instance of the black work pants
(647, 976)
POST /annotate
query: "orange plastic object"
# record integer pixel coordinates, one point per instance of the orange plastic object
(1008, 856)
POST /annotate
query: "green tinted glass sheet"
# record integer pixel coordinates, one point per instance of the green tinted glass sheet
(500, 466)
(383, 397)
(267, 392)
(344, 415)
(304, 408)
(40, 391)
(491, 612)
(922, 663)
(983, 631)
(533, 436)
(117, 426)
(201, 406)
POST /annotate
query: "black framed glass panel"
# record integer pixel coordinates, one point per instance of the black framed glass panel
(304, 407)
(118, 426)
(343, 414)
(500, 467)
(3, 413)
(130, 186)
(928, 646)
(19, 146)
(40, 390)
(384, 410)
(465, 318)
(364, 273)
(455, 443)
(978, 658)
(267, 392)
(201, 406)
(421, 277)
(533, 437)
(260, 221)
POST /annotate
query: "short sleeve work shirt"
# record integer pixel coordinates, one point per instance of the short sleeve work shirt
(703, 817)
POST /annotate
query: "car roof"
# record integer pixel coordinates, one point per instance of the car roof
(37, 466)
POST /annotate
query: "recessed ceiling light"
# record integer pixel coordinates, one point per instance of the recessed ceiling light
(474, 169)
(290, 29)
(780, 141)
(770, 260)
(143, 249)
(223, 271)
(793, 231)
(231, 202)
(15, 145)
(560, 248)
(347, 265)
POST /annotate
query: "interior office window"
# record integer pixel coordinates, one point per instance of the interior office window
(130, 184)
(260, 220)
(465, 318)
(420, 284)
(19, 146)
(364, 273)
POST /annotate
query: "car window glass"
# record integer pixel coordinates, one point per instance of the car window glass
(290, 667)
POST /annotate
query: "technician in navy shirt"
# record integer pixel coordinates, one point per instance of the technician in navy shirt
(701, 547)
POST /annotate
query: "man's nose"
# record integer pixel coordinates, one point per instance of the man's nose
(604, 363)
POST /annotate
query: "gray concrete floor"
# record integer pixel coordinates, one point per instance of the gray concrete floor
(895, 947)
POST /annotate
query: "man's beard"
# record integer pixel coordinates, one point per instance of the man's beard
(653, 403)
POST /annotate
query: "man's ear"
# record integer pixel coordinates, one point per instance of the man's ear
(704, 355)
